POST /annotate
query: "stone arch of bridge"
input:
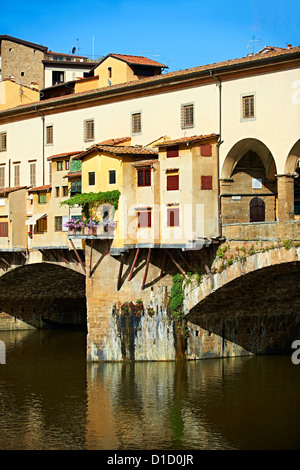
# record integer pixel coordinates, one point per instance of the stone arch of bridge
(252, 303)
(240, 149)
(43, 295)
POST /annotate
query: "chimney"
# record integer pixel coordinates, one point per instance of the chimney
(289, 46)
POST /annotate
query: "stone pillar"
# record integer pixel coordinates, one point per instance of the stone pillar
(285, 187)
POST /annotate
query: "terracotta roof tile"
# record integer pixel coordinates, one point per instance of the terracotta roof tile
(137, 60)
(4, 191)
(144, 163)
(116, 141)
(66, 154)
(73, 174)
(119, 150)
(187, 140)
(40, 188)
(254, 59)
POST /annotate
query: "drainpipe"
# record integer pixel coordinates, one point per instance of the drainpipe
(220, 141)
(43, 153)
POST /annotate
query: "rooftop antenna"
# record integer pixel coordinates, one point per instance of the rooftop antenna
(93, 45)
(77, 44)
(253, 44)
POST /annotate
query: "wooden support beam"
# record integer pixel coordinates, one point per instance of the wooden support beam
(176, 264)
(120, 272)
(54, 255)
(146, 269)
(133, 264)
(163, 264)
(78, 256)
(26, 257)
(4, 261)
(63, 258)
(184, 260)
(203, 257)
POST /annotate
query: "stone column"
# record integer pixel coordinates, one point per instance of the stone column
(285, 188)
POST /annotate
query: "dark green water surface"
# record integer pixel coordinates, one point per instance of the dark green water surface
(50, 398)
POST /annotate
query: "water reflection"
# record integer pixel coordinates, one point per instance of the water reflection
(51, 399)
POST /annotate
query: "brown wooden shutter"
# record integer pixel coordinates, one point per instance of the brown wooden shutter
(205, 150)
(206, 182)
(3, 229)
(172, 151)
(2, 177)
(248, 106)
(49, 135)
(144, 219)
(172, 182)
(3, 141)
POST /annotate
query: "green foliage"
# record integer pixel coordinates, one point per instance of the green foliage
(76, 165)
(88, 199)
(177, 295)
(287, 244)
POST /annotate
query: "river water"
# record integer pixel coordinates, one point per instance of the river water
(51, 399)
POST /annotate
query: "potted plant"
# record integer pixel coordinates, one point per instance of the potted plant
(74, 225)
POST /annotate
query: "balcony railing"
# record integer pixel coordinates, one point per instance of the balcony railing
(103, 231)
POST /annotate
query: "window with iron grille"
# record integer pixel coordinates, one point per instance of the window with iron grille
(3, 229)
(3, 141)
(32, 174)
(144, 177)
(2, 177)
(144, 218)
(49, 135)
(173, 217)
(248, 106)
(75, 187)
(187, 116)
(88, 129)
(136, 123)
(17, 175)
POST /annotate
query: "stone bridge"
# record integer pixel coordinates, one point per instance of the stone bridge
(240, 296)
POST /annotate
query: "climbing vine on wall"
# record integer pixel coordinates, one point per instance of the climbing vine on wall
(177, 296)
(107, 197)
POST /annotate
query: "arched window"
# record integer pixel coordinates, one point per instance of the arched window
(257, 210)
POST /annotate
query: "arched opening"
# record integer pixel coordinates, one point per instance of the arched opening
(43, 296)
(257, 210)
(249, 184)
(292, 170)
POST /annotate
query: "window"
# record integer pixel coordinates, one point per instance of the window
(17, 175)
(42, 198)
(136, 123)
(109, 72)
(65, 191)
(172, 181)
(3, 229)
(50, 172)
(58, 224)
(206, 150)
(3, 141)
(57, 191)
(67, 164)
(172, 151)
(88, 130)
(75, 187)
(144, 218)
(32, 174)
(173, 217)
(206, 182)
(248, 106)
(91, 178)
(144, 177)
(49, 135)
(57, 77)
(41, 225)
(59, 166)
(22, 74)
(112, 176)
(2, 176)
(187, 116)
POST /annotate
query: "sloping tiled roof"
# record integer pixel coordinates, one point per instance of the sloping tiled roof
(224, 66)
(187, 140)
(116, 141)
(144, 163)
(24, 43)
(137, 60)
(118, 150)
(73, 174)
(40, 188)
(61, 155)
(4, 191)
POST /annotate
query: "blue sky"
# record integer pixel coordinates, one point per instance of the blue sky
(178, 33)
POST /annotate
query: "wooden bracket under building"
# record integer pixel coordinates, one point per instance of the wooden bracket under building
(133, 264)
(120, 272)
(78, 256)
(176, 264)
(146, 269)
